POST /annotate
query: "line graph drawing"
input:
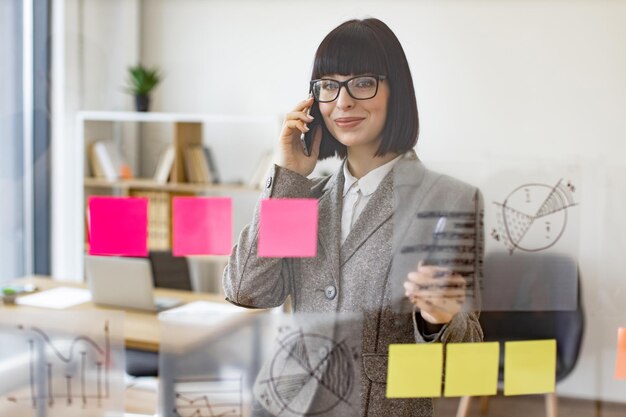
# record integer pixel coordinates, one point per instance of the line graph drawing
(305, 365)
(80, 376)
(209, 397)
(533, 217)
(454, 244)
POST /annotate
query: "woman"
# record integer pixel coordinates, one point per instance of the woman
(377, 215)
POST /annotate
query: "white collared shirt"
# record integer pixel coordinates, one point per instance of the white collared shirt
(357, 192)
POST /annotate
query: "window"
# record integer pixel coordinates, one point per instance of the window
(12, 218)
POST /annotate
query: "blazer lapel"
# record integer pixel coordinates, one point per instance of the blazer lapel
(329, 208)
(409, 191)
(411, 185)
(377, 211)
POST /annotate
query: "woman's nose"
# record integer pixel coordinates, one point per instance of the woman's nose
(344, 100)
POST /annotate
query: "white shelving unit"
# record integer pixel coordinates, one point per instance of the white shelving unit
(72, 188)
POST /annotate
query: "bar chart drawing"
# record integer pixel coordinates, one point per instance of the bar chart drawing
(208, 397)
(533, 217)
(72, 371)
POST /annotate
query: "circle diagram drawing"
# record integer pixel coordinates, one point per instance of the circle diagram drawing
(533, 217)
(307, 366)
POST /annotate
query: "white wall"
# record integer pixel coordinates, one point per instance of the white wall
(491, 77)
(518, 79)
(513, 80)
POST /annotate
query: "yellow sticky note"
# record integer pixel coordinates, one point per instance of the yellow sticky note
(414, 370)
(529, 367)
(472, 369)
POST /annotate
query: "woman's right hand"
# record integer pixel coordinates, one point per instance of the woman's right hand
(291, 151)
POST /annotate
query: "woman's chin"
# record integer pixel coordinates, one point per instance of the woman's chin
(355, 142)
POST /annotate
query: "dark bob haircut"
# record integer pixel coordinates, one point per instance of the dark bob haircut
(369, 47)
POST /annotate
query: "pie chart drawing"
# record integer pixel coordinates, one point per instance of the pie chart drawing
(533, 217)
(305, 364)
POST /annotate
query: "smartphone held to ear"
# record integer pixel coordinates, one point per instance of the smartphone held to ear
(307, 138)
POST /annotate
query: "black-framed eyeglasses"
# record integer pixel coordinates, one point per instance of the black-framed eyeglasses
(361, 87)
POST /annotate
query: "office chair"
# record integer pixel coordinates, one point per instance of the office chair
(168, 271)
(567, 327)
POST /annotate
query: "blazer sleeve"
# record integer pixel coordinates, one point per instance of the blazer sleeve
(464, 326)
(250, 281)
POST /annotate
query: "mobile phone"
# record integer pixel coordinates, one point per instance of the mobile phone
(307, 138)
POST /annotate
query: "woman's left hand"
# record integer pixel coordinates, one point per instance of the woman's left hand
(437, 292)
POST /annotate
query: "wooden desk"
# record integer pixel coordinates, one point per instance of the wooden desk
(141, 329)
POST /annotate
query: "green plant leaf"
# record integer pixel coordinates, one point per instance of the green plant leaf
(142, 80)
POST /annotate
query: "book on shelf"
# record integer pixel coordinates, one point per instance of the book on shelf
(165, 164)
(192, 173)
(265, 162)
(107, 162)
(96, 168)
(203, 164)
(196, 165)
(102, 163)
(208, 154)
(158, 218)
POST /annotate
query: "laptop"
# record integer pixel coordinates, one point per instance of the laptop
(124, 282)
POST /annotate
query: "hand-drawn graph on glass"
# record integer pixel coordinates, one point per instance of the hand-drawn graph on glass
(450, 240)
(453, 242)
(83, 356)
(206, 365)
(533, 217)
(259, 364)
(307, 365)
(58, 373)
(209, 397)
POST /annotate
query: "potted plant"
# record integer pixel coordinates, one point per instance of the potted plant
(8, 296)
(141, 81)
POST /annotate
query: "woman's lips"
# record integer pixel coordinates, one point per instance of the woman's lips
(346, 122)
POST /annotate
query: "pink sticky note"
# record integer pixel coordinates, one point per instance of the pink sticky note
(288, 228)
(202, 226)
(620, 365)
(118, 226)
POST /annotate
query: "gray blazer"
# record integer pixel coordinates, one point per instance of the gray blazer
(366, 272)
